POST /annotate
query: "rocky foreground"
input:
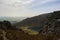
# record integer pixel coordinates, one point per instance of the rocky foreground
(20, 35)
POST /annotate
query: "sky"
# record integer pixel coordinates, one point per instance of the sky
(27, 8)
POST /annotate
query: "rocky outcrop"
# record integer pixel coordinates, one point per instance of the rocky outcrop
(6, 25)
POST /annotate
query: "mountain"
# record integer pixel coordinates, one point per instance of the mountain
(43, 22)
(37, 21)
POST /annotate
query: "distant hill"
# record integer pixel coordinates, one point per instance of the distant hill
(13, 20)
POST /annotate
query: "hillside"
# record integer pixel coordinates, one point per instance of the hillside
(45, 22)
(39, 20)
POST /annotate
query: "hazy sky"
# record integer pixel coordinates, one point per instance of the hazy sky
(21, 8)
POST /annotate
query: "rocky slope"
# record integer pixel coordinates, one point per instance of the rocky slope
(46, 22)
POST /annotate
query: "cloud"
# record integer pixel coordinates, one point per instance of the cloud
(13, 2)
(26, 1)
(16, 8)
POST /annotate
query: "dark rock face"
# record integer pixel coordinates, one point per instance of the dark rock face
(7, 24)
(53, 24)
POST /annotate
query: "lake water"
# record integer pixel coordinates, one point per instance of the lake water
(35, 28)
